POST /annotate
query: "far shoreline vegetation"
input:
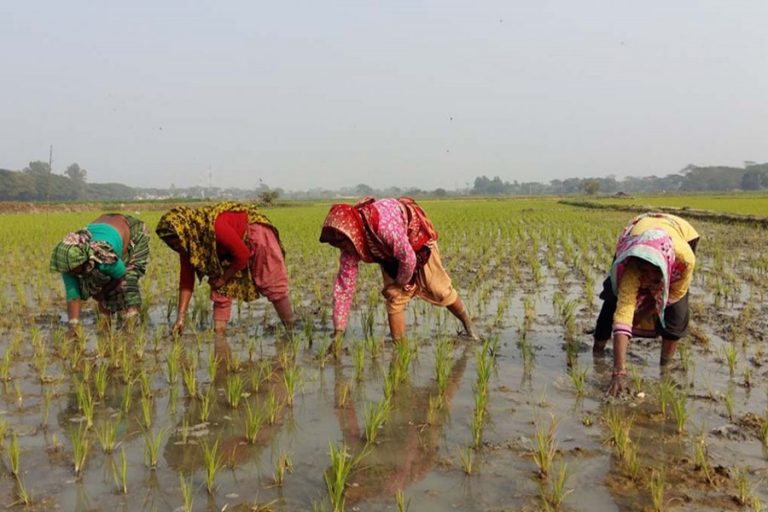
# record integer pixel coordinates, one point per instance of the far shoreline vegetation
(37, 184)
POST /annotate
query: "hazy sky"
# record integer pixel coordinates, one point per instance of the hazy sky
(410, 93)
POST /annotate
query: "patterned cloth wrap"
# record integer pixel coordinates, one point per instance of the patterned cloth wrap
(79, 248)
(194, 227)
(359, 224)
(654, 246)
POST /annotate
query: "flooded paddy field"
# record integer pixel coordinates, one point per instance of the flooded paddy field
(261, 420)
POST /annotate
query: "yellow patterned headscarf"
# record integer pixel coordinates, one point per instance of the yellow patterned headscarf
(194, 227)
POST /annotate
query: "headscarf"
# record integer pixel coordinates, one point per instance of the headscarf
(359, 223)
(654, 246)
(78, 248)
(194, 227)
(345, 222)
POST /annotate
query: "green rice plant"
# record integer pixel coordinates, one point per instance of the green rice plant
(435, 405)
(206, 401)
(22, 494)
(253, 423)
(443, 357)
(544, 446)
(763, 430)
(213, 365)
(666, 394)
(375, 416)
(685, 356)
(467, 457)
(680, 410)
(342, 465)
(619, 426)
(578, 379)
(123, 472)
(700, 457)
(478, 417)
(342, 394)
(483, 368)
(358, 351)
(106, 432)
(5, 365)
(187, 493)
(730, 354)
(172, 362)
(152, 448)
(403, 356)
(291, 378)
(213, 461)
(234, 390)
(556, 493)
(402, 504)
(80, 446)
(127, 397)
(324, 351)
(389, 386)
(728, 400)
(656, 486)
(748, 377)
(85, 402)
(637, 379)
(100, 380)
(146, 411)
(14, 456)
(273, 407)
(283, 465)
(631, 461)
(743, 487)
(146, 387)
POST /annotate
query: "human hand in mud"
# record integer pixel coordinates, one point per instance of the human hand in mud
(618, 383)
(178, 327)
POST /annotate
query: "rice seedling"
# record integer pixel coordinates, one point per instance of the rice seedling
(234, 390)
(375, 416)
(342, 465)
(478, 418)
(544, 447)
(283, 465)
(273, 407)
(205, 405)
(631, 461)
(146, 411)
(213, 365)
(763, 430)
(22, 494)
(5, 366)
(730, 354)
(728, 401)
(106, 433)
(213, 461)
(578, 379)
(700, 457)
(656, 487)
(443, 357)
(680, 411)
(144, 384)
(253, 423)
(127, 397)
(14, 456)
(172, 362)
(556, 492)
(467, 457)
(123, 483)
(100, 380)
(637, 379)
(152, 448)
(85, 402)
(401, 503)
(435, 405)
(666, 394)
(619, 426)
(291, 377)
(358, 351)
(342, 394)
(187, 493)
(743, 487)
(80, 446)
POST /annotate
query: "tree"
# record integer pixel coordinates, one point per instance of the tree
(590, 186)
(363, 190)
(77, 175)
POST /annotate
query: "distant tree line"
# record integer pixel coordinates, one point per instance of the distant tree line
(36, 182)
(692, 178)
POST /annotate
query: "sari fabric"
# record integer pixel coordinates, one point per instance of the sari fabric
(194, 227)
(655, 247)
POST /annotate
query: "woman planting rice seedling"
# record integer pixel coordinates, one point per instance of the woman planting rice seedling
(646, 294)
(237, 248)
(104, 260)
(396, 234)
